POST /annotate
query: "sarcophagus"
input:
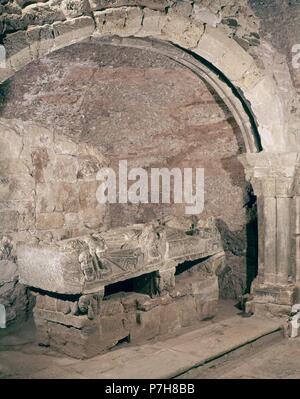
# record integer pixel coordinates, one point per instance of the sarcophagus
(69, 278)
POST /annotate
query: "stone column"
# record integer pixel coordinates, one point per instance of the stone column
(296, 241)
(273, 178)
(165, 278)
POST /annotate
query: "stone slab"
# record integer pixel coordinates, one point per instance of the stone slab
(169, 358)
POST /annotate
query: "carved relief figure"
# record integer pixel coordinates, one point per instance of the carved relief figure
(87, 266)
(152, 241)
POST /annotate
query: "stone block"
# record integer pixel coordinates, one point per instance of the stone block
(94, 218)
(25, 3)
(112, 329)
(45, 198)
(61, 197)
(267, 108)
(264, 186)
(72, 220)
(182, 31)
(26, 219)
(124, 21)
(250, 78)
(72, 31)
(111, 307)
(270, 310)
(14, 167)
(40, 160)
(238, 73)
(186, 310)
(216, 47)
(277, 294)
(153, 22)
(88, 166)
(6, 73)
(165, 280)
(4, 188)
(63, 168)
(284, 187)
(152, 4)
(40, 39)
(206, 290)
(8, 271)
(49, 221)
(147, 326)
(132, 301)
(75, 8)
(66, 319)
(206, 309)
(169, 318)
(181, 8)
(40, 302)
(205, 16)
(11, 143)
(50, 267)
(151, 303)
(6, 291)
(21, 188)
(9, 221)
(42, 13)
(65, 146)
(42, 335)
(18, 52)
(46, 302)
(130, 322)
(64, 306)
(74, 342)
(39, 137)
(87, 194)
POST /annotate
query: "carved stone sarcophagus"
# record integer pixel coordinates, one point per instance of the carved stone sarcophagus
(70, 277)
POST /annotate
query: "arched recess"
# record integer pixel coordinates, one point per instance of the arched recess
(215, 79)
(249, 92)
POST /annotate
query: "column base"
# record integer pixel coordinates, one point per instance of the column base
(274, 300)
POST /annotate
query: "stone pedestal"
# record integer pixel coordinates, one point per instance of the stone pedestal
(83, 304)
(86, 326)
(275, 180)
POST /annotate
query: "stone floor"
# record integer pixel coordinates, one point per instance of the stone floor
(277, 360)
(21, 357)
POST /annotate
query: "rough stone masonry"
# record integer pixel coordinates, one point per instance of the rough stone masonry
(81, 89)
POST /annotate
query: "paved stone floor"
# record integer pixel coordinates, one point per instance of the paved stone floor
(278, 360)
(272, 357)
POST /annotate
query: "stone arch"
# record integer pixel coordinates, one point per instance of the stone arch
(249, 92)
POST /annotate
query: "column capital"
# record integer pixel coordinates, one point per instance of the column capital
(272, 174)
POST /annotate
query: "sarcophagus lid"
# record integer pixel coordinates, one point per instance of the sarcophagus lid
(88, 263)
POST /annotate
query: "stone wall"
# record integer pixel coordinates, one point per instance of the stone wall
(47, 191)
(48, 185)
(13, 296)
